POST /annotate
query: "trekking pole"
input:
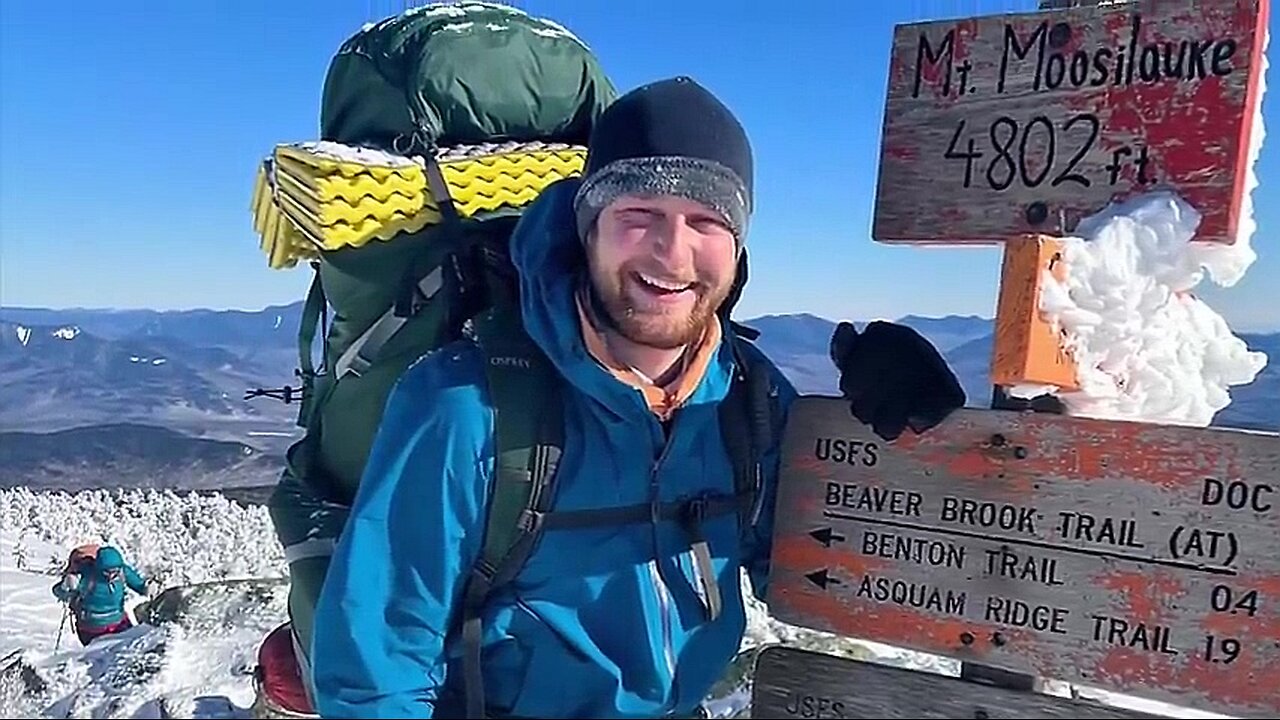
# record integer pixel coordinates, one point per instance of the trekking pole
(66, 610)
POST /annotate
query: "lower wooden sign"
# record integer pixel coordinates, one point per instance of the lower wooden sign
(792, 683)
(1139, 558)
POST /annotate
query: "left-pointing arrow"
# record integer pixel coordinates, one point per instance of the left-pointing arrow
(822, 578)
(826, 535)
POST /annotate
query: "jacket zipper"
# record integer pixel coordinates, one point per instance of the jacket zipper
(660, 586)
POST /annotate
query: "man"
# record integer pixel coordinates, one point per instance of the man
(622, 276)
(94, 589)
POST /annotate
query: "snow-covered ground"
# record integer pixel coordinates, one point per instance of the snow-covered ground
(198, 665)
(198, 662)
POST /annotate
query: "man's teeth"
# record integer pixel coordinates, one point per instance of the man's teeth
(662, 284)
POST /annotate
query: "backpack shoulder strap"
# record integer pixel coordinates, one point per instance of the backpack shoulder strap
(749, 420)
(529, 438)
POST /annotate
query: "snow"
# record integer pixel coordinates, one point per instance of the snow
(371, 157)
(199, 664)
(1145, 347)
(231, 571)
(66, 333)
(177, 538)
(24, 335)
(1227, 272)
(545, 26)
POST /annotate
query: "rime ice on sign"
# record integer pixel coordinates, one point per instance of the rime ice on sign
(1145, 347)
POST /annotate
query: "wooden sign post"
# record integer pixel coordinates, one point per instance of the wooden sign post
(1008, 129)
(791, 683)
(1129, 556)
(1139, 558)
(1009, 125)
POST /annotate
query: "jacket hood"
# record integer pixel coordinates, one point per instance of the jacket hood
(109, 558)
(551, 263)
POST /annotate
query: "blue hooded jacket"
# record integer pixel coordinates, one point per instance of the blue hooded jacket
(602, 622)
(98, 597)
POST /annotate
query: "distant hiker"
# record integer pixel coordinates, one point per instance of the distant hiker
(628, 604)
(93, 586)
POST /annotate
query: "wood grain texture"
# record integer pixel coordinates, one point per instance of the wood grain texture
(1135, 557)
(791, 683)
(1046, 108)
(1028, 349)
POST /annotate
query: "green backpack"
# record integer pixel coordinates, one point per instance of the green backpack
(487, 94)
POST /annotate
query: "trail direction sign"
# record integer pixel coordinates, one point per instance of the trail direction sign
(794, 683)
(1139, 558)
(1004, 125)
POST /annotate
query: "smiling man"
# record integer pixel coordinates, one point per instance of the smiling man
(626, 601)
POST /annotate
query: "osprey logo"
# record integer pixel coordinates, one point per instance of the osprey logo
(511, 361)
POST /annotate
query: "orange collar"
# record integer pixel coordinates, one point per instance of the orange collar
(662, 400)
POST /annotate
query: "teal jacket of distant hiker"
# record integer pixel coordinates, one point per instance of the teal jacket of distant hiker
(603, 621)
(98, 598)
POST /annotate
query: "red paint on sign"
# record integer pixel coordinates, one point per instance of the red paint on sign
(1145, 593)
(807, 553)
(1242, 609)
(1250, 677)
(1131, 556)
(883, 622)
(1122, 100)
(1088, 450)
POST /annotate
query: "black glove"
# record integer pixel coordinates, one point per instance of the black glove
(893, 377)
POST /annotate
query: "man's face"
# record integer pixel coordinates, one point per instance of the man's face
(661, 266)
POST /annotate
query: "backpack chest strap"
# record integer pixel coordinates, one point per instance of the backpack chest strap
(689, 512)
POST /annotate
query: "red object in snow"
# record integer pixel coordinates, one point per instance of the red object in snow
(280, 677)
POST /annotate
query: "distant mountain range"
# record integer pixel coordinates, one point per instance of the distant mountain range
(799, 344)
(169, 385)
(271, 327)
(125, 455)
(63, 375)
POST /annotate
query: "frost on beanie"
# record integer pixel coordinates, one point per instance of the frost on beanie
(670, 137)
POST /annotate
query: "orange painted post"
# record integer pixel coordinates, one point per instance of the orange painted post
(1134, 557)
(1027, 349)
(1002, 126)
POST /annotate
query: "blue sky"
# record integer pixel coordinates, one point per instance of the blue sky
(130, 133)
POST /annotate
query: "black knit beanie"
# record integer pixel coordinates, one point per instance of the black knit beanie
(670, 137)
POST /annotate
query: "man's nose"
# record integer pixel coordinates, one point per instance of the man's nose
(675, 241)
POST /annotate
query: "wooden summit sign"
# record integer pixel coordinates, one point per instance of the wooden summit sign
(1015, 124)
(1139, 558)
(790, 682)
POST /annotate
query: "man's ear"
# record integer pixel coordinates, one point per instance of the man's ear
(739, 283)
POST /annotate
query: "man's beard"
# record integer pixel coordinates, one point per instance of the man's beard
(667, 330)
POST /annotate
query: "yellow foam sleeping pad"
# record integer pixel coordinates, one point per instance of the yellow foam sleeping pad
(319, 196)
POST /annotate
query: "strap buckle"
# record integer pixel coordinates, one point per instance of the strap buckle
(530, 521)
(694, 512)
